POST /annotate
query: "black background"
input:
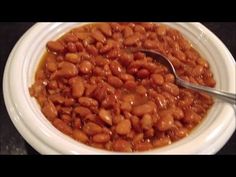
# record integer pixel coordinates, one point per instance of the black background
(11, 141)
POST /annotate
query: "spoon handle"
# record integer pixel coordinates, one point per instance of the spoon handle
(229, 97)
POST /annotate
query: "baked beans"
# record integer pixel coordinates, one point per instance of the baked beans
(94, 90)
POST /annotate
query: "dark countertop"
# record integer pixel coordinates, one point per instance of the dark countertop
(11, 141)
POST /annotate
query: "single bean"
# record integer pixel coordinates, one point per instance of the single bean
(116, 68)
(146, 121)
(127, 31)
(191, 117)
(101, 138)
(114, 81)
(87, 101)
(169, 78)
(72, 57)
(69, 101)
(130, 85)
(106, 48)
(126, 77)
(166, 121)
(55, 46)
(143, 73)
(49, 110)
(105, 29)
(150, 44)
(157, 79)
(105, 116)
(138, 138)
(125, 106)
(143, 146)
(131, 40)
(91, 128)
(197, 70)
(79, 46)
(82, 111)
(85, 67)
(97, 35)
(71, 47)
(122, 146)
(117, 119)
(101, 61)
(142, 109)
(70, 37)
(77, 87)
(66, 69)
(123, 127)
(139, 28)
(162, 142)
(91, 49)
(171, 88)
(57, 98)
(161, 30)
(126, 58)
(62, 126)
(141, 90)
(177, 113)
(77, 123)
(80, 136)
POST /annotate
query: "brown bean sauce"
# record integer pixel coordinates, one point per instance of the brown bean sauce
(93, 90)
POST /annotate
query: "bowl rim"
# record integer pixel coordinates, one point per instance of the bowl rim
(43, 147)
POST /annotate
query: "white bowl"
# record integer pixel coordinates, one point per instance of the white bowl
(25, 113)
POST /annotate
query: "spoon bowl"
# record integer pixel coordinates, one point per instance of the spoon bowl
(228, 97)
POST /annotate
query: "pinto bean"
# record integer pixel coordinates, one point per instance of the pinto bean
(101, 138)
(128, 31)
(97, 35)
(80, 136)
(191, 117)
(85, 67)
(106, 48)
(126, 58)
(142, 109)
(171, 88)
(166, 121)
(146, 121)
(115, 81)
(161, 142)
(55, 46)
(143, 73)
(49, 110)
(105, 29)
(62, 126)
(122, 146)
(157, 79)
(116, 68)
(91, 128)
(66, 69)
(72, 57)
(123, 127)
(71, 47)
(150, 44)
(91, 49)
(77, 87)
(105, 115)
(143, 146)
(131, 40)
(82, 111)
(130, 85)
(88, 102)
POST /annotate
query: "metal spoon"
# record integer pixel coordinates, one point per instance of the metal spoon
(226, 96)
